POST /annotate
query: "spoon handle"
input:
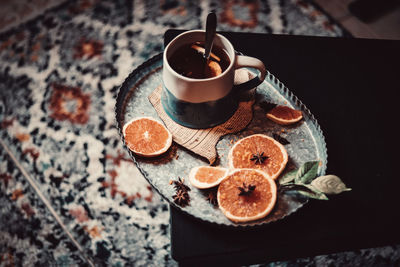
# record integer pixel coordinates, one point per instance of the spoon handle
(211, 25)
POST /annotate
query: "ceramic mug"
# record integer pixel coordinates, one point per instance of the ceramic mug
(204, 103)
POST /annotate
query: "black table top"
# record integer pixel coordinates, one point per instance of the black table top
(352, 88)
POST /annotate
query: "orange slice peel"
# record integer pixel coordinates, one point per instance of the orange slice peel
(204, 177)
(284, 115)
(243, 152)
(244, 208)
(146, 137)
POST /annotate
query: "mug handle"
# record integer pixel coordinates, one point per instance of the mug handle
(245, 61)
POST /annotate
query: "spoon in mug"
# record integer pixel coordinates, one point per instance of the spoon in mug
(211, 66)
(211, 25)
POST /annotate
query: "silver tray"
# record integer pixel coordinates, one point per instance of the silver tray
(307, 143)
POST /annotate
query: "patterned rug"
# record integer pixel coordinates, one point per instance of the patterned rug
(69, 193)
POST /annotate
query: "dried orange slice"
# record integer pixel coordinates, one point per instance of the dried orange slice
(147, 137)
(260, 152)
(257, 203)
(207, 176)
(212, 69)
(284, 115)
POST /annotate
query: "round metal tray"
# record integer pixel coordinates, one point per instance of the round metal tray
(306, 139)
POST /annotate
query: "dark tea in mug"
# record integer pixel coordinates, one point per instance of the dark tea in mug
(188, 61)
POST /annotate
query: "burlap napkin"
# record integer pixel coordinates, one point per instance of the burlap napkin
(203, 141)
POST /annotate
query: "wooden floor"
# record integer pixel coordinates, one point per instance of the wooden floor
(385, 27)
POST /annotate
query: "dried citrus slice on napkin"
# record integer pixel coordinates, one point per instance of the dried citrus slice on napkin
(246, 195)
(284, 115)
(147, 137)
(260, 152)
(207, 176)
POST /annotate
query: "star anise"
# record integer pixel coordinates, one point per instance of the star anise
(258, 158)
(181, 198)
(212, 198)
(267, 106)
(280, 139)
(179, 185)
(246, 190)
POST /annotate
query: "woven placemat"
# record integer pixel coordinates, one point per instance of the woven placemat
(203, 141)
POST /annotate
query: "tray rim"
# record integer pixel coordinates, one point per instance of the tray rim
(269, 78)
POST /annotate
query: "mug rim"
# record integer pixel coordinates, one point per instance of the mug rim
(227, 70)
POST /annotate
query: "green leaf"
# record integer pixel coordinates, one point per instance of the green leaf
(329, 184)
(312, 192)
(288, 177)
(306, 190)
(307, 172)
